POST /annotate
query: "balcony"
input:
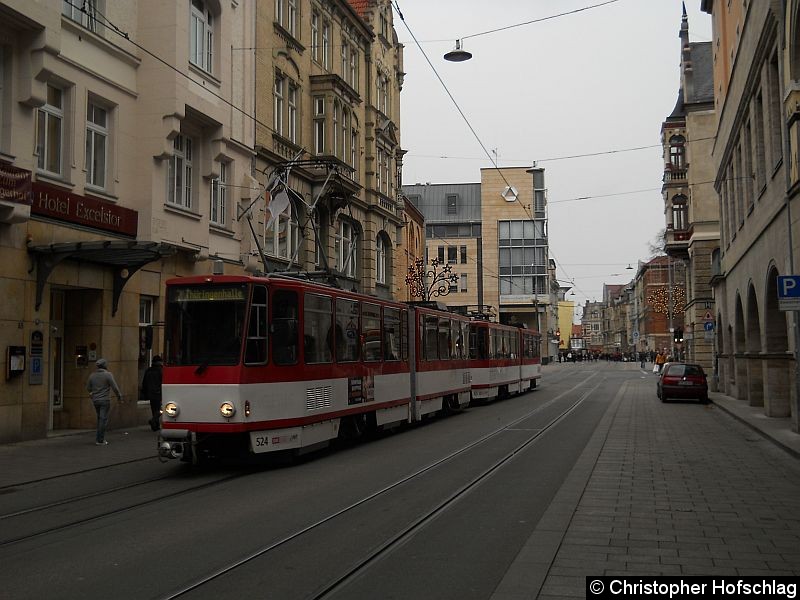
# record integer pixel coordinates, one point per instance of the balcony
(676, 242)
(674, 175)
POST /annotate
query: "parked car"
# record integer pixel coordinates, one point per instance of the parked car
(682, 380)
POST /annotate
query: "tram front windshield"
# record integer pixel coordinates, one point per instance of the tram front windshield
(204, 324)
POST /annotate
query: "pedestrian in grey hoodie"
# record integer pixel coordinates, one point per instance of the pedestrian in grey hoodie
(100, 385)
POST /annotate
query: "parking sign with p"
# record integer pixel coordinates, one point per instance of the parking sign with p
(789, 292)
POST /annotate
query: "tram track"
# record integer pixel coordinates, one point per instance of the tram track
(160, 496)
(408, 531)
(23, 484)
(364, 564)
(73, 500)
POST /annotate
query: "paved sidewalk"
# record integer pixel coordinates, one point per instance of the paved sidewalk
(668, 489)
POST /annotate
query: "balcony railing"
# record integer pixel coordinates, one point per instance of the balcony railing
(673, 174)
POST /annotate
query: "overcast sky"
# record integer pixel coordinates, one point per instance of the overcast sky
(599, 80)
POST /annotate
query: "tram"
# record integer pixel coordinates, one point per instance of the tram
(505, 360)
(271, 363)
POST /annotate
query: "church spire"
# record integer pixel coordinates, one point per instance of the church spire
(684, 34)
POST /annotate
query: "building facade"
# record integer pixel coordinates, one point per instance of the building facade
(410, 251)
(145, 140)
(756, 181)
(327, 140)
(116, 199)
(592, 322)
(690, 203)
(658, 302)
(494, 237)
(453, 236)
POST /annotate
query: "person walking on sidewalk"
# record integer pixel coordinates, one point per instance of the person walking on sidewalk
(151, 390)
(100, 385)
(660, 360)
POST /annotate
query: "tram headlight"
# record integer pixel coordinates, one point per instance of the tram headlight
(227, 410)
(247, 408)
(171, 409)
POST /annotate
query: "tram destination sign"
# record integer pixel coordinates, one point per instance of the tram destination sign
(206, 294)
(789, 292)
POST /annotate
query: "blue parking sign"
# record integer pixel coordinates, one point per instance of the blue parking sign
(37, 371)
(789, 292)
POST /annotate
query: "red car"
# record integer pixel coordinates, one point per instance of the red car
(682, 380)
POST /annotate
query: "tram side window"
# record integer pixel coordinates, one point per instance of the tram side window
(444, 339)
(492, 343)
(391, 334)
(404, 334)
(455, 339)
(479, 342)
(464, 339)
(431, 343)
(284, 327)
(348, 330)
(473, 342)
(256, 347)
(317, 323)
(371, 326)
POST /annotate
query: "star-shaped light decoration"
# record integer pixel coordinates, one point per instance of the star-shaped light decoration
(430, 283)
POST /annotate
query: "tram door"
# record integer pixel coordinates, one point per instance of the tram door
(56, 355)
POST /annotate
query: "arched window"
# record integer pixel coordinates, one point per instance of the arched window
(345, 248)
(680, 213)
(677, 152)
(353, 161)
(282, 237)
(345, 135)
(335, 148)
(380, 260)
(201, 35)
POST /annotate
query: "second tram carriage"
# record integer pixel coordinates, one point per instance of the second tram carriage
(262, 364)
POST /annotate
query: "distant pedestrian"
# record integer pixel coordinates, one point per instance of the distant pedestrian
(100, 385)
(660, 360)
(151, 390)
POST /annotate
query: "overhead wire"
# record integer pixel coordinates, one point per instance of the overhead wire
(109, 25)
(463, 115)
(571, 12)
(458, 108)
(557, 158)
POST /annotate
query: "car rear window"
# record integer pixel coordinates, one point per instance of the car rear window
(686, 370)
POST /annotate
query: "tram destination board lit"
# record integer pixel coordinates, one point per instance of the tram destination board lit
(213, 294)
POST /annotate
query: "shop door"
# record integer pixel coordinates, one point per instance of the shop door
(56, 355)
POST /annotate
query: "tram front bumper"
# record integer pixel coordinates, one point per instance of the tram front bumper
(172, 443)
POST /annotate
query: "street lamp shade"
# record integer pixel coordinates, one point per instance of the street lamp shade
(458, 54)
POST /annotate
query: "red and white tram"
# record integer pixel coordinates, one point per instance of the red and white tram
(530, 367)
(261, 364)
(505, 360)
(441, 374)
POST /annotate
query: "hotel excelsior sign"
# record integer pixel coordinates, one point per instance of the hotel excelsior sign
(55, 203)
